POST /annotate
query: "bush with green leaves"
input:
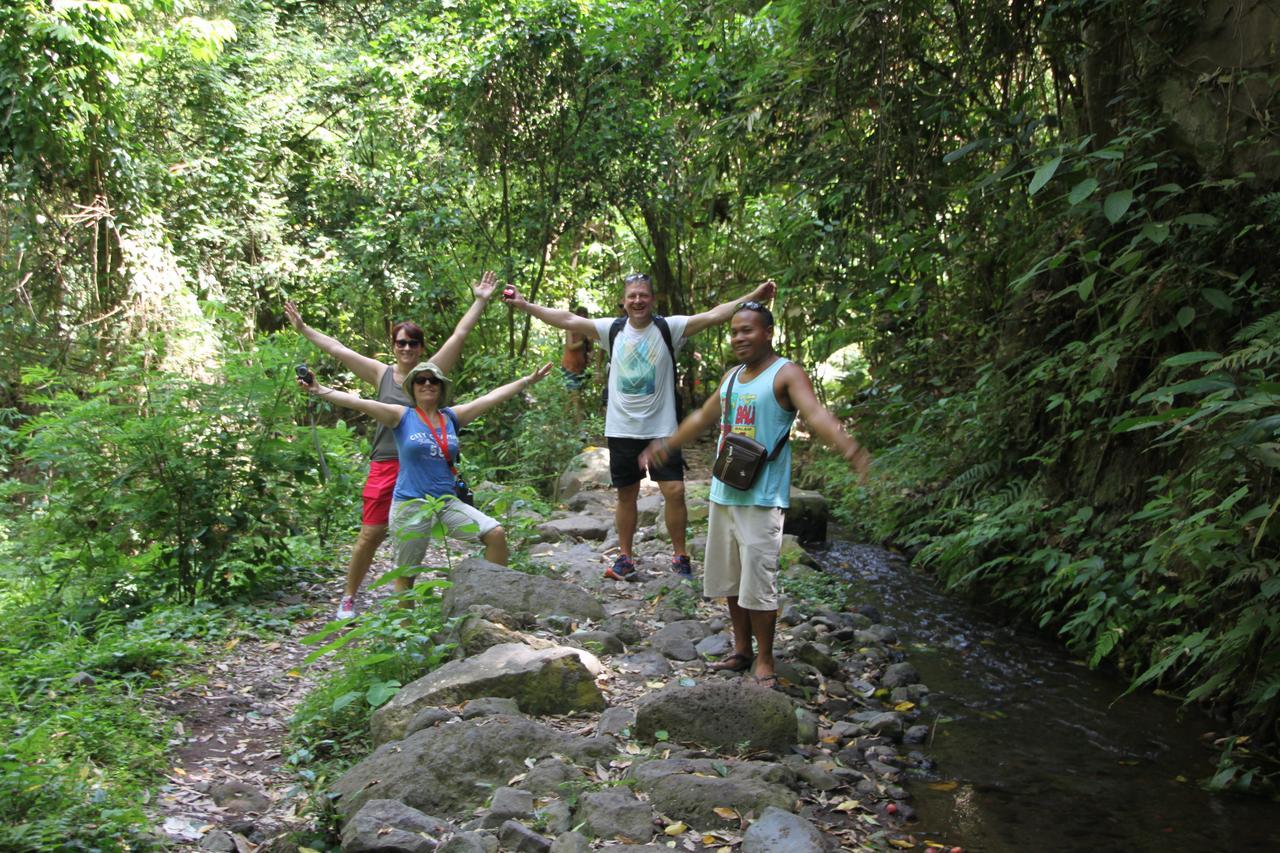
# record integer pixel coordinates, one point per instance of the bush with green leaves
(155, 486)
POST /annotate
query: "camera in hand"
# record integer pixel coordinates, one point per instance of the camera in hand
(305, 374)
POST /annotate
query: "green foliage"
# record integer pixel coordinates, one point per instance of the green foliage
(171, 486)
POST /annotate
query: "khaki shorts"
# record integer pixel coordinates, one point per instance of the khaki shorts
(411, 530)
(742, 555)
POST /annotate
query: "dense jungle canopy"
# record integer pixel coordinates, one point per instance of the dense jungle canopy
(1032, 243)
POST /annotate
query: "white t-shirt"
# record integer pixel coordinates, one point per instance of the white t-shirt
(641, 399)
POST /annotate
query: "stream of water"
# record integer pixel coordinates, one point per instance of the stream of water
(1044, 753)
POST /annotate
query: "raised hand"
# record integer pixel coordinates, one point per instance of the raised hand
(294, 317)
(483, 289)
(765, 291)
(540, 374)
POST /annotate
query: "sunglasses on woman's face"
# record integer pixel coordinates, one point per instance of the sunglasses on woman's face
(423, 380)
(407, 343)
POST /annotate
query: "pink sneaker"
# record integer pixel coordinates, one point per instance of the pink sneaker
(346, 607)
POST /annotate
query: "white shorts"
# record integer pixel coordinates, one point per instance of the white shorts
(411, 528)
(742, 555)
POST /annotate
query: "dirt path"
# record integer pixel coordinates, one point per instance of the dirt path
(228, 718)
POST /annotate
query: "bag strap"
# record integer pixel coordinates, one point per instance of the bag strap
(441, 442)
(728, 401)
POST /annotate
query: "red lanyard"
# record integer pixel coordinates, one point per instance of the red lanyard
(442, 440)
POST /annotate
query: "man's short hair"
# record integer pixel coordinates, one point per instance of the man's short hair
(637, 277)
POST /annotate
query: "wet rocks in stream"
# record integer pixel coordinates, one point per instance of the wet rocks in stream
(582, 713)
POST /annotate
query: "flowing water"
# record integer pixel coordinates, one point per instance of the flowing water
(1044, 753)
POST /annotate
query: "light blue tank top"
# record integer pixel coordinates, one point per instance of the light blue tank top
(755, 413)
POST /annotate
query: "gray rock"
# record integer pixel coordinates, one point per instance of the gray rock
(451, 769)
(877, 634)
(806, 726)
(888, 723)
(719, 713)
(487, 706)
(676, 640)
(916, 734)
(477, 581)
(427, 718)
(588, 470)
(571, 842)
(647, 509)
(464, 842)
(694, 799)
(779, 831)
(551, 681)
(550, 777)
(807, 516)
(593, 501)
(81, 679)
(509, 804)
(717, 645)
(556, 817)
(520, 838)
(615, 812)
(239, 797)
(596, 642)
(218, 841)
(388, 825)
(624, 628)
(616, 720)
(817, 656)
(576, 527)
(649, 664)
(475, 635)
(899, 675)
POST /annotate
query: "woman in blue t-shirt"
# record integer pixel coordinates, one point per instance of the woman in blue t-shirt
(426, 436)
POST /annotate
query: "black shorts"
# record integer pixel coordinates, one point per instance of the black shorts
(624, 459)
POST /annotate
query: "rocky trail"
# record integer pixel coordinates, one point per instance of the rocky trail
(579, 713)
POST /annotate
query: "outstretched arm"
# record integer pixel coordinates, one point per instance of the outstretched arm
(363, 366)
(447, 356)
(707, 415)
(724, 311)
(468, 412)
(798, 390)
(557, 317)
(384, 413)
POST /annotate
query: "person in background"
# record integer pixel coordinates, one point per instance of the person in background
(407, 341)
(426, 437)
(641, 405)
(744, 528)
(574, 362)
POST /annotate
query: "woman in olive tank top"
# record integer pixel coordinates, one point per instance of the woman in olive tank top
(407, 344)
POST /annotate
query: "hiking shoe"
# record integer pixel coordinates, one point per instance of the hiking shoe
(346, 607)
(681, 565)
(622, 569)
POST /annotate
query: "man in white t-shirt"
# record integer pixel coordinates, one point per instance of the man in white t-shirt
(641, 404)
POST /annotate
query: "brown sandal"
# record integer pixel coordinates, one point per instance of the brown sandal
(736, 662)
(770, 681)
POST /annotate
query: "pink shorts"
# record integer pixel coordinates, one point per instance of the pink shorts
(377, 491)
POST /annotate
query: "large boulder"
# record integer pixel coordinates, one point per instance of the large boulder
(807, 516)
(695, 799)
(477, 581)
(719, 713)
(450, 770)
(558, 680)
(588, 470)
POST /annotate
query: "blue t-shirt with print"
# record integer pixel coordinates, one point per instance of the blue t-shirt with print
(423, 470)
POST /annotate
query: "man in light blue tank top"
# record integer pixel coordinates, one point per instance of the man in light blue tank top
(744, 533)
